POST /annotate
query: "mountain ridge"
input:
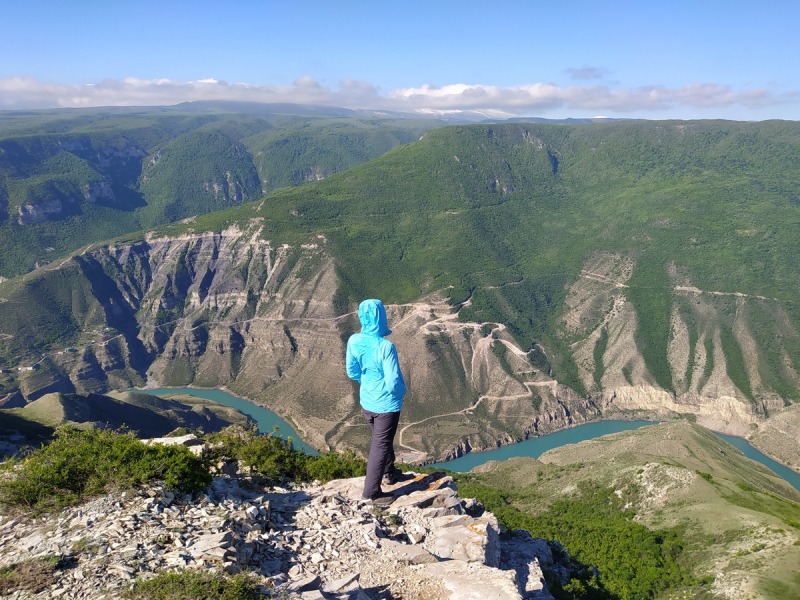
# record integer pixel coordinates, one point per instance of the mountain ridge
(72, 177)
(633, 266)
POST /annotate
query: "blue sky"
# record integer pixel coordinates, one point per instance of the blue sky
(701, 59)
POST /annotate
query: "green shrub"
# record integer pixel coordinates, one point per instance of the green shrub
(80, 463)
(599, 352)
(500, 350)
(538, 359)
(274, 458)
(706, 476)
(333, 465)
(191, 585)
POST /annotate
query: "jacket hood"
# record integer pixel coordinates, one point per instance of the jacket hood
(372, 315)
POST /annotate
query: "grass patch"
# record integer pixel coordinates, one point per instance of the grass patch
(31, 576)
(85, 546)
(707, 476)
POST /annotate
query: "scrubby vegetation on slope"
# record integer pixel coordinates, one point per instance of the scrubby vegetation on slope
(275, 459)
(188, 585)
(661, 509)
(79, 464)
(634, 562)
(311, 149)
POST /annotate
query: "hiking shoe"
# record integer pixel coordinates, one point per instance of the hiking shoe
(396, 477)
(382, 500)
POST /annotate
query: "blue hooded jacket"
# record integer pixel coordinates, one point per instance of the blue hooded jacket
(372, 361)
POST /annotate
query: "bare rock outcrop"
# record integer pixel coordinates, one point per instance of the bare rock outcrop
(302, 542)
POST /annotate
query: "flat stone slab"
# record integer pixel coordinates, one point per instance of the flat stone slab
(341, 585)
(306, 584)
(208, 544)
(416, 555)
(473, 581)
(465, 538)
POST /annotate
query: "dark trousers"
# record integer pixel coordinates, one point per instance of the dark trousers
(381, 450)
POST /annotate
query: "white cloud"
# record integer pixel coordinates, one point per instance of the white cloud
(543, 97)
(535, 98)
(306, 82)
(587, 73)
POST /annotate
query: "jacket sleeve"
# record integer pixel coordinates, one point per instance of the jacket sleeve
(393, 377)
(353, 365)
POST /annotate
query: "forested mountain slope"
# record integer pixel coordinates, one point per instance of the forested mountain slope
(306, 150)
(71, 177)
(637, 268)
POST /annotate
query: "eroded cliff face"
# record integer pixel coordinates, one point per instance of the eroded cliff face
(779, 437)
(231, 309)
(717, 365)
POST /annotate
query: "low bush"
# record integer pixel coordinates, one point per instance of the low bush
(707, 476)
(82, 463)
(191, 585)
(275, 459)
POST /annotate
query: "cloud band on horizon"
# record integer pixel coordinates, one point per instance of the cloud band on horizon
(27, 93)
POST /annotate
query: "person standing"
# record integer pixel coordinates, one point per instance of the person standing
(372, 361)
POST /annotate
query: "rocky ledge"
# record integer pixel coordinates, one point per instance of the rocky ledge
(309, 542)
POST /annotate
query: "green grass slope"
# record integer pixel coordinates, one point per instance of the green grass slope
(81, 176)
(734, 525)
(199, 172)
